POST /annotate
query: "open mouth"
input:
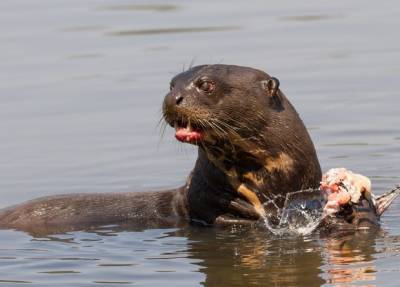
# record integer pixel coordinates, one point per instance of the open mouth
(188, 133)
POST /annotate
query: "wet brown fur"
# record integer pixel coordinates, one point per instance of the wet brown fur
(256, 148)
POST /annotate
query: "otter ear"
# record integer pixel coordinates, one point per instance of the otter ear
(271, 86)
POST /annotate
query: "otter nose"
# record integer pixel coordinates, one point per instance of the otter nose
(173, 99)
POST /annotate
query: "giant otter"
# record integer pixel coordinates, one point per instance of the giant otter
(252, 147)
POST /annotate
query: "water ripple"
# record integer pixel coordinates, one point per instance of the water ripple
(177, 30)
(142, 7)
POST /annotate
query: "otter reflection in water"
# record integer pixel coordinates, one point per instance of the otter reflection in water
(252, 148)
(234, 260)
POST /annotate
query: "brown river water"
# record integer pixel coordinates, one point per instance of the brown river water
(81, 86)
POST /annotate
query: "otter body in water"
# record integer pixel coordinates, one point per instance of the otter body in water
(252, 148)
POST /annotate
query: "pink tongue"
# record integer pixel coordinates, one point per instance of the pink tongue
(187, 135)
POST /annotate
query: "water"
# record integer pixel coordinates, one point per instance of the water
(81, 85)
(301, 214)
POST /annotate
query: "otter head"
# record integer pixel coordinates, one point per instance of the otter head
(220, 103)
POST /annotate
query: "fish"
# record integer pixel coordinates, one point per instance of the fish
(344, 201)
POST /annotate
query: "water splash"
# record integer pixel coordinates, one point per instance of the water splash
(301, 214)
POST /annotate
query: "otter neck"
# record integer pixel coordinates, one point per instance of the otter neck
(254, 170)
(242, 172)
(240, 159)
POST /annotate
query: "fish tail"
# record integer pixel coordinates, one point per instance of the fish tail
(383, 201)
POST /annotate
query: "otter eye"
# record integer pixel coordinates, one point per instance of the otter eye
(171, 86)
(206, 86)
